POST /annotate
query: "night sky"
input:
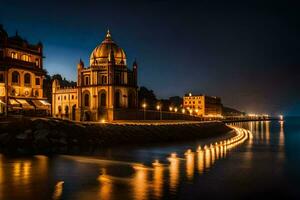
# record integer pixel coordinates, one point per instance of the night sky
(246, 53)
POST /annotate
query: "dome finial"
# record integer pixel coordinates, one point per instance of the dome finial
(108, 35)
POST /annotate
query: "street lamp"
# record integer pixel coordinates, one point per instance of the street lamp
(144, 106)
(183, 111)
(158, 107)
(170, 108)
(175, 109)
(280, 117)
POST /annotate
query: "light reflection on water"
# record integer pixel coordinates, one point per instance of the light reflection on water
(80, 177)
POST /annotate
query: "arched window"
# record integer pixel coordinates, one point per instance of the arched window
(86, 80)
(73, 112)
(117, 99)
(102, 99)
(104, 79)
(15, 77)
(27, 79)
(67, 110)
(86, 100)
(37, 81)
(59, 109)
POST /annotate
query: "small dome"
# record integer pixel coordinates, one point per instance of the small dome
(101, 53)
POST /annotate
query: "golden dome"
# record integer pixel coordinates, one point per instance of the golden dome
(102, 52)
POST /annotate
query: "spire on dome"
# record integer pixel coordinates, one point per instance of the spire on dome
(108, 35)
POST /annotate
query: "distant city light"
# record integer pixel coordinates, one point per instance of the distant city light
(144, 105)
(281, 117)
(158, 107)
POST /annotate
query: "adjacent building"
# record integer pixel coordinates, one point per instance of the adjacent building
(21, 76)
(106, 88)
(203, 105)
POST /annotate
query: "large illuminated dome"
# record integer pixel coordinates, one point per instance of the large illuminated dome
(101, 53)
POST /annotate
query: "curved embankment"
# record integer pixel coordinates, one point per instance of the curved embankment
(55, 136)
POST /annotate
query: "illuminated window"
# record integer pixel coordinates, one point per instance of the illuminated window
(27, 79)
(65, 97)
(2, 78)
(25, 58)
(15, 77)
(58, 97)
(36, 93)
(37, 81)
(14, 55)
(72, 97)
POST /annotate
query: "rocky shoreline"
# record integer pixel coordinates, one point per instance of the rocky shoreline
(51, 136)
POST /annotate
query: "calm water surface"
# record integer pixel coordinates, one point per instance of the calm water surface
(266, 165)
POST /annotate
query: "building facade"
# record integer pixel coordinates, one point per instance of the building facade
(21, 76)
(202, 105)
(105, 87)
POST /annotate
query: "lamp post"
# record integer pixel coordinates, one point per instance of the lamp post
(183, 111)
(144, 107)
(158, 107)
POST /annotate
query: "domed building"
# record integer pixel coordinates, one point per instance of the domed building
(105, 89)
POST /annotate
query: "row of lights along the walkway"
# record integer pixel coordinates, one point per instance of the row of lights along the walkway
(242, 136)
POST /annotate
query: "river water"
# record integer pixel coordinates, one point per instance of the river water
(265, 165)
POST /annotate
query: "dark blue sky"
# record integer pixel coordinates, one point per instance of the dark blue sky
(246, 53)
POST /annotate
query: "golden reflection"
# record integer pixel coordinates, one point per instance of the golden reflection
(262, 130)
(281, 133)
(140, 183)
(189, 164)
(1, 171)
(200, 162)
(207, 158)
(105, 186)
(42, 164)
(58, 190)
(174, 172)
(268, 132)
(217, 152)
(22, 172)
(221, 151)
(158, 180)
(212, 149)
